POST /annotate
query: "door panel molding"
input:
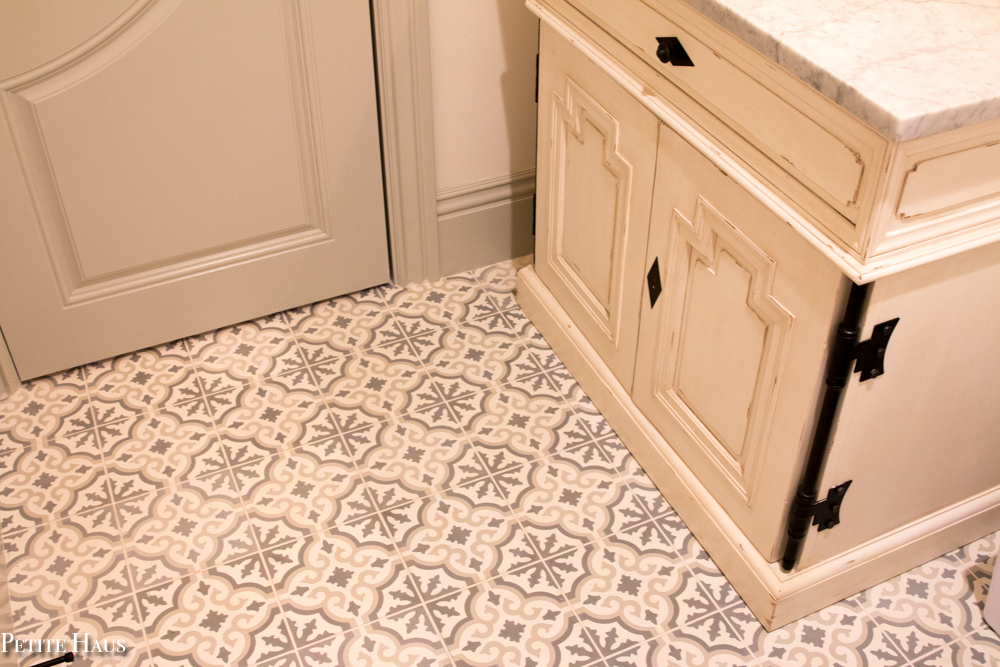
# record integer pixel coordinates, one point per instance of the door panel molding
(48, 82)
(93, 49)
(748, 365)
(603, 302)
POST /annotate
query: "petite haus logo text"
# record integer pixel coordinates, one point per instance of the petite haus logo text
(79, 643)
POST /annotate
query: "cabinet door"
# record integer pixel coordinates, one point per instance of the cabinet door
(731, 356)
(596, 157)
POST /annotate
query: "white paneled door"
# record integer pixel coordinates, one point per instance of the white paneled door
(172, 166)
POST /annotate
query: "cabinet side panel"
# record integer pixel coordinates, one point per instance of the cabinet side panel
(925, 435)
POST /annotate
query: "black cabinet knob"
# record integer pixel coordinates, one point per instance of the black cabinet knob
(671, 52)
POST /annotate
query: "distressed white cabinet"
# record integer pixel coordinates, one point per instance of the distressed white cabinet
(598, 171)
(756, 204)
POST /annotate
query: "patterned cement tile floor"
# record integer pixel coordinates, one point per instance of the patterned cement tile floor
(396, 477)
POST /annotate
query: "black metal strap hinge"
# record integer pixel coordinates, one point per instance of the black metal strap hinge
(826, 513)
(653, 280)
(870, 355)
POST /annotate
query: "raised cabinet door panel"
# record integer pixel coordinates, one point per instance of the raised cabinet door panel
(730, 357)
(596, 158)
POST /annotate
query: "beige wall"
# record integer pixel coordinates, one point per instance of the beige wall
(483, 83)
(483, 74)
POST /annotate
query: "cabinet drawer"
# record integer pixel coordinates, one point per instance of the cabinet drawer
(831, 166)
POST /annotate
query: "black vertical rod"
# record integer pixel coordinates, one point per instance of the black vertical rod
(838, 371)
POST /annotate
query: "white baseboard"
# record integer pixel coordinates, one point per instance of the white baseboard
(775, 597)
(485, 222)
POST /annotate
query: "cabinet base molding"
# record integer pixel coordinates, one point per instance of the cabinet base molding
(775, 597)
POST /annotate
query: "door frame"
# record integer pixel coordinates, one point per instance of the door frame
(403, 66)
(401, 35)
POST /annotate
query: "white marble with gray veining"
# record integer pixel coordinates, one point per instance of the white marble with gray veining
(907, 68)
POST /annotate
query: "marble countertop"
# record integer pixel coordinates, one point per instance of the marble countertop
(907, 68)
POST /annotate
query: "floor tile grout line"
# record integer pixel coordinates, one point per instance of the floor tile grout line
(887, 629)
(133, 594)
(620, 473)
(569, 605)
(229, 463)
(253, 532)
(628, 483)
(743, 642)
(888, 635)
(114, 515)
(953, 641)
(242, 506)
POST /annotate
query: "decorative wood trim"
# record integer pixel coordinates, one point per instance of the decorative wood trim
(568, 114)
(402, 45)
(464, 198)
(858, 271)
(19, 95)
(775, 597)
(9, 380)
(485, 235)
(300, 53)
(94, 45)
(704, 241)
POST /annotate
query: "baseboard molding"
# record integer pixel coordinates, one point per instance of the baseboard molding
(775, 597)
(481, 193)
(486, 222)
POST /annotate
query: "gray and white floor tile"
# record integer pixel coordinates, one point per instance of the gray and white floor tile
(401, 476)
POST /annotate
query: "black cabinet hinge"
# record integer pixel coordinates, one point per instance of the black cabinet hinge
(653, 280)
(870, 355)
(826, 513)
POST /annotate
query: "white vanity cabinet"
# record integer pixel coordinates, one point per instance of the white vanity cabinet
(699, 230)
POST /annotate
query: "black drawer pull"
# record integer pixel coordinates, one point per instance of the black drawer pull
(671, 52)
